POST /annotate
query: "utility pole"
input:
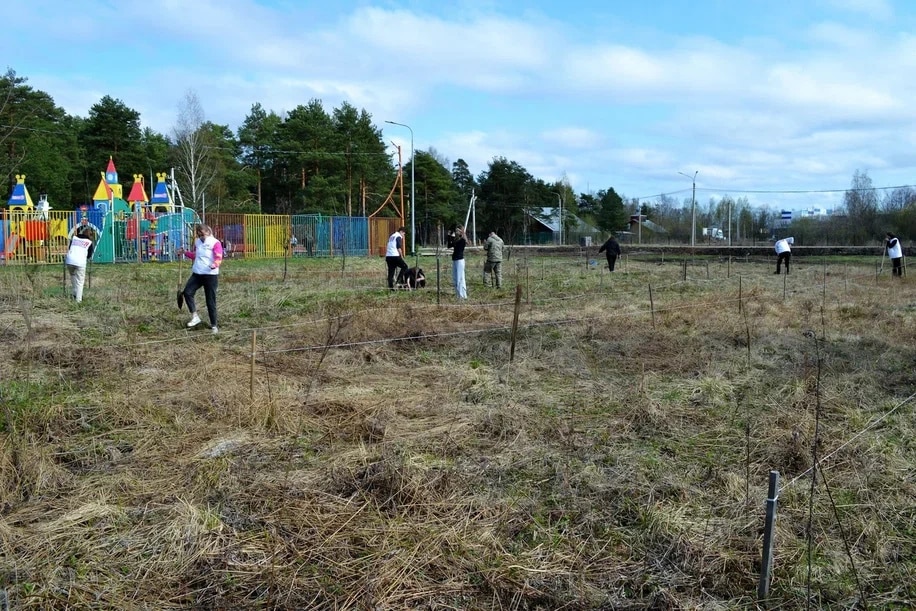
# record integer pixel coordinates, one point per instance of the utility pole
(413, 165)
(693, 208)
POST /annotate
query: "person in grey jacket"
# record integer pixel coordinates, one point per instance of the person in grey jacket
(494, 263)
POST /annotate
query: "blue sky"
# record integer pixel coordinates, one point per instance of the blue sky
(761, 98)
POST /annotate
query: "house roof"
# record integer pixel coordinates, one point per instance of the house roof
(550, 218)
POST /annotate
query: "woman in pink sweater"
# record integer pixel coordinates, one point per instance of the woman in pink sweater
(207, 256)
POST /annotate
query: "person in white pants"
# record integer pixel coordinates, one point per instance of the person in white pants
(458, 242)
(78, 255)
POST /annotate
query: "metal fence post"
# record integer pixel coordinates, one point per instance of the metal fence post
(766, 565)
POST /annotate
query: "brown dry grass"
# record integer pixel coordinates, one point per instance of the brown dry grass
(393, 458)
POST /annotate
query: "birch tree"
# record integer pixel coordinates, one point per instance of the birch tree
(193, 143)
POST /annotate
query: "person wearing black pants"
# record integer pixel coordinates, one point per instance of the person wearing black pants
(894, 253)
(783, 253)
(394, 257)
(611, 250)
(207, 256)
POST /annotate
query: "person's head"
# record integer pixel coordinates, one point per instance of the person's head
(402, 230)
(459, 230)
(84, 231)
(890, 235)
(790, 240)
(203, 231)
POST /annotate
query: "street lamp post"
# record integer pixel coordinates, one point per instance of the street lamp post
(693, 208)
(413, 165)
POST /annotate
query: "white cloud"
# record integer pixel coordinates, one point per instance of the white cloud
(880, 10)
(573, 137)
(811, 103)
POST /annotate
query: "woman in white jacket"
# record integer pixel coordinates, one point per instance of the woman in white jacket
(207, 256)
(78, 255)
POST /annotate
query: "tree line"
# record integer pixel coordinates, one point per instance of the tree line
(311, 161)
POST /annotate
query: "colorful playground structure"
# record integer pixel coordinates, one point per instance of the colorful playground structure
(147, 229)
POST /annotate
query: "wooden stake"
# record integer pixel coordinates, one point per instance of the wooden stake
(518, 302)
(652, 305)
(740, 304)
(824, 288)
(527, 281)
(254, 345)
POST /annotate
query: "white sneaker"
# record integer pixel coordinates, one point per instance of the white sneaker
(215, 330)
(195, 320)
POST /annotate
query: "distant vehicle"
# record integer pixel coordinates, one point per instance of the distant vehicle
(713, 233)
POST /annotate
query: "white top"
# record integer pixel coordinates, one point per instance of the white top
(894, 249)
(394, 242)
(78, 252)
(783, 245)
(206, 260)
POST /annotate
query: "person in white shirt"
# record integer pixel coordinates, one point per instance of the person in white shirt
(783, 253)
(78, 255)
(894, 253)
(394, 257)
(207, 256)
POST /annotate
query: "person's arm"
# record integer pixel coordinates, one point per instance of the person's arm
(217, 255)
(190, 253)
(91, 249)
(603, 248)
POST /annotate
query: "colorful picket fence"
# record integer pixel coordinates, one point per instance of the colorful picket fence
(148, 237)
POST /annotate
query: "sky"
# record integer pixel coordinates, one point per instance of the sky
(778, 101)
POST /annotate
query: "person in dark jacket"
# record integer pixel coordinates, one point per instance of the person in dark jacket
(611, 250)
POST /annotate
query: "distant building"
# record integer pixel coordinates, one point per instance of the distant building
(543, 227)
(815, 211)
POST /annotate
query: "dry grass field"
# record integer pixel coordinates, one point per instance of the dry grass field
(339, 446)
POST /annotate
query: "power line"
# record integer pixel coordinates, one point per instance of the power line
(779, 191)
